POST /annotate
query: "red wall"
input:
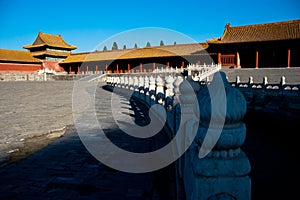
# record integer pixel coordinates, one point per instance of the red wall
(19, 68)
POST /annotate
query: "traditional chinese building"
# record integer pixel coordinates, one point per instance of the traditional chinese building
(138, 59)
(50, 47)
(261, 45)
(45, 53)
(14, 61)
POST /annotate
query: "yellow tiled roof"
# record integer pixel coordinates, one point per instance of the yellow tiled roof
(44, 39)
(286, 30)
(147, 52)
(17, 56)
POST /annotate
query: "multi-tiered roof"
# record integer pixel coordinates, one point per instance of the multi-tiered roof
(49, 45)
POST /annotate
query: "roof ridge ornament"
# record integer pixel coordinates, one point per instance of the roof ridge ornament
(227, 25)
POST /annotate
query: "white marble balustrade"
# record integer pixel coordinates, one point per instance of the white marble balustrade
(181, 95)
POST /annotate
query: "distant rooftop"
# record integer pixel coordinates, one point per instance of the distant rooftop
(17, 56)
(147, 52)
(286, 30)
(44, 39)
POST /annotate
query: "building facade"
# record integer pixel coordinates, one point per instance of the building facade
(261, 45)
(137, 59)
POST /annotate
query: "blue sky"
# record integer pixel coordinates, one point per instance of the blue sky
(86, 24)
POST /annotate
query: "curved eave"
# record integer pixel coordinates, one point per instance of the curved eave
(47, 45)
(50, 53)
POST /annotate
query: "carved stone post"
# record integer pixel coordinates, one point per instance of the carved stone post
(169, 86)
(146, 89)
(248, 92)
(223, 172)
(169, 101)
(122, 81)
(152, 88)
(141, 87)
(135, 83)
(265, 81)
(114, 81)
(282, 83)
(238, 80)
(187, 121)
(176, 102)
(250, 80)
(136, 92)
(126, 83)
(282, 80)
(177, 82)
(130, 83)
(118, 84)
(160, 94)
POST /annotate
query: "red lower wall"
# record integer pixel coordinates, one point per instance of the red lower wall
(19, 68)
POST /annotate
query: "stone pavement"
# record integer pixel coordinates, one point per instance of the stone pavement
(29, 109)
(66, 170)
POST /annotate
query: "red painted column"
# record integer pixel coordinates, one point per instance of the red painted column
(153, 66)
(128, 67)
(117, 68)
(106, 68)
(141, 67)
(237, 56)
(256, 59)
(70, 69)
(198, 62)
(182, 64)
(219, 58)
(78, 70)
(289, 58)
(168, 64)
(96, 69)
(87, 69)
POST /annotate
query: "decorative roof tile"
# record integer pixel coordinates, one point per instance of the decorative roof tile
(44, 39)
(17, 56)
(286, 30)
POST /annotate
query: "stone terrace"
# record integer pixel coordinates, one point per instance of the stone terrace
(292, 74)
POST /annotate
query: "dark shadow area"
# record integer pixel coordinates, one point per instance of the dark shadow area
(272, 148)
(141, 118)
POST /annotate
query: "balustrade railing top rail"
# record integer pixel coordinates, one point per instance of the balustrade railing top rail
(195, 71)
